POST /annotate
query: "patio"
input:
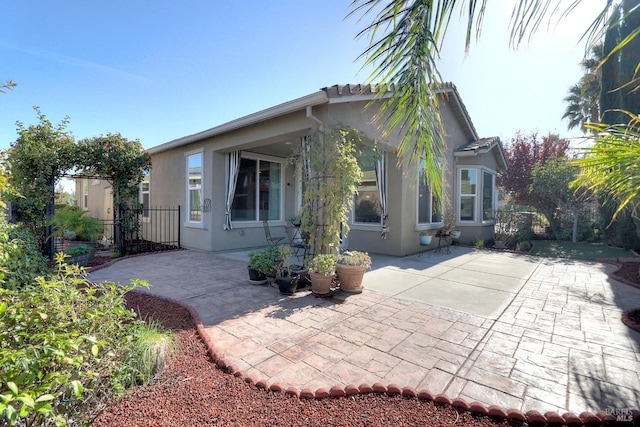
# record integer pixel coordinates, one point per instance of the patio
(502, 329)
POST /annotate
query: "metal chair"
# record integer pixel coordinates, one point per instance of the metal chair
(299, 242)
(272, 241)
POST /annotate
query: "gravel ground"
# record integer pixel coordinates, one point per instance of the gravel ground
(192, 391)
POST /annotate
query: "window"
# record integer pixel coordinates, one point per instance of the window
(258, 194)
(487, 196)
(194, 187)
(429, 207)
(476, 195)
(85, 194)
(144, 197)
(366, 205)
(468, 188)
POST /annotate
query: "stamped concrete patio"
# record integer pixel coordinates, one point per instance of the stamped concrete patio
(499, 328)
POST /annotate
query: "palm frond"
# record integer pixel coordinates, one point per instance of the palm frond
(611, 165)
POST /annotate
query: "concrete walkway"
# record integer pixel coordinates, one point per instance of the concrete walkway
(502, 329)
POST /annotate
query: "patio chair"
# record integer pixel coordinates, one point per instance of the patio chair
(299, 242)
(272, 241)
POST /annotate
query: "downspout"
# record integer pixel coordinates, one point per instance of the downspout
(313, 118)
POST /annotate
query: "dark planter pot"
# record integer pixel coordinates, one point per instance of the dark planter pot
(288, 284)
(255, 277)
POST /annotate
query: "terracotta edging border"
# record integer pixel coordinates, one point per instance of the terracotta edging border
(337, 391)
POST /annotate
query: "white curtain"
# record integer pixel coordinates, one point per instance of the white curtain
(381, 183)
(233, 164)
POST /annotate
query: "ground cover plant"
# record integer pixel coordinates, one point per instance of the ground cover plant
(67, 346)
(583, 251)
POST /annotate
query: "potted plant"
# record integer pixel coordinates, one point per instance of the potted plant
(350, 267)
(81, 255)
(261, 263)
(321, 270)
(295, 220)
(425, 239)
(286, 279)
(72, 223)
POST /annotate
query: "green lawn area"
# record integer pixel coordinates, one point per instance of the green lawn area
(586, 251)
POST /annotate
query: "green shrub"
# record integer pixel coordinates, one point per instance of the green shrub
(73, 221)
(20, 259)
(65, 347)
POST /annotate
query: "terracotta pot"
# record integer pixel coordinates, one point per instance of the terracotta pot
(320, 284)
(350, 278)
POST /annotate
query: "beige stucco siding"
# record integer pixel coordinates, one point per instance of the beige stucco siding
(277, 138)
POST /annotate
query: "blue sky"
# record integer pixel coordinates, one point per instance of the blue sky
(159, 70)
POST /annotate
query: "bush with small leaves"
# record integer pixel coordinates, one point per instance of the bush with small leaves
(67, 346)
(20, 259)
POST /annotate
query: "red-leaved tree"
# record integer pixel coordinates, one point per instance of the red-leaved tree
(523, 153)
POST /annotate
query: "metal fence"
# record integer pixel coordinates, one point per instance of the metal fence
(144, 230)
(515, 221)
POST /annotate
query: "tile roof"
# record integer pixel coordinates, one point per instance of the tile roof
(370, 90)
(484, 144)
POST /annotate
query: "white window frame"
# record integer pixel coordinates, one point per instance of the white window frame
(189, 222)
(431, 224)
(365, 225)
(494, 198)
(257, 222)
(478, 196)
(145, 180)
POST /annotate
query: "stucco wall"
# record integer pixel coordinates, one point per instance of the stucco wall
(168, 181)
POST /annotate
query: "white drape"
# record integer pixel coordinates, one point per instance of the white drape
(233, 165)
(381, 183)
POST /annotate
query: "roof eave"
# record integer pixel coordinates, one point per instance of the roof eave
(315, 98)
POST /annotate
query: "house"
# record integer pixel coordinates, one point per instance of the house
(194, 172)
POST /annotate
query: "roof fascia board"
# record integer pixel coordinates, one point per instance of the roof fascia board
(315, 98)
(356, 97)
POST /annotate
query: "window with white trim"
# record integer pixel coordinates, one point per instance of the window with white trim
(468, 193)
(429, 206)
(476, 194)
(194, 187)
(145, 195)
(259, 190)
(366, 204)
(488, 185)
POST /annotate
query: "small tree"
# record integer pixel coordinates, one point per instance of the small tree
(551, 185)
(40, 156)
(332, 179)
(524, 153)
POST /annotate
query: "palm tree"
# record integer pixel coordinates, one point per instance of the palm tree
(405, 38)
(584, 97)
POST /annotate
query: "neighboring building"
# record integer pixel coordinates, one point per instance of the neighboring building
(193, 172)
